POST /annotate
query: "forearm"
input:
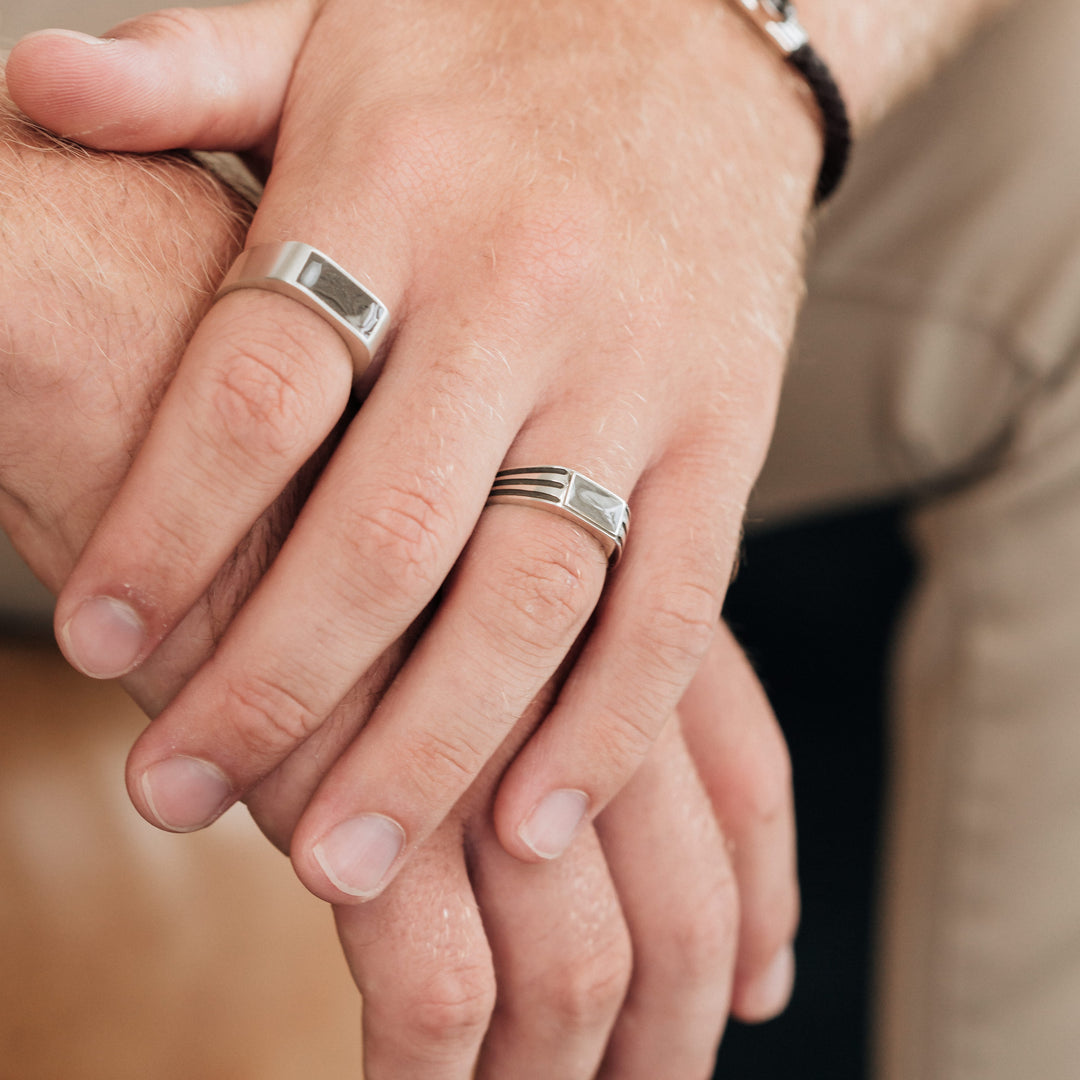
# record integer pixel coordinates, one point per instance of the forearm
(108, 263)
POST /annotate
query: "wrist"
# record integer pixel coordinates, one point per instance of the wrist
(772, 124)
(778, 26)
(782, 108)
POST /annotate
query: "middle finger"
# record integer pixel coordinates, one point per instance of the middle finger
(369, 550)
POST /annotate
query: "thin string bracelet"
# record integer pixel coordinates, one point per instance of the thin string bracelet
(779, 23)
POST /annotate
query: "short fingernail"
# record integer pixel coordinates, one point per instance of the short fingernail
(75, 35)
(768, 996)
(104, 637)
(185, 793)
(357, 854)
(548, 830)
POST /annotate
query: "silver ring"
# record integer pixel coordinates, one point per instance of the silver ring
(316, 281)
(572, 495)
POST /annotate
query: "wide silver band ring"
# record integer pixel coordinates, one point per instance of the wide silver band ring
(571, 495)
(313, 279)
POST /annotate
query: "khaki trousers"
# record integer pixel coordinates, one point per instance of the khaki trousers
(937, 359)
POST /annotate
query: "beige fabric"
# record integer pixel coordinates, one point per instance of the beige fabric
(938, 356)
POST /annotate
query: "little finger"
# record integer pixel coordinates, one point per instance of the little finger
(670, 865)
(743, 761)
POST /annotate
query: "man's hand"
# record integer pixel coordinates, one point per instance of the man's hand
(586, 221)
(473, 956)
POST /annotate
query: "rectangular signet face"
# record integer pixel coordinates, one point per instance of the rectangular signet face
(596, 504)
(339, 292)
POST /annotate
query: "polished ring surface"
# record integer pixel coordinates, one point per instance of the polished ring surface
(572, 495)
(316, 281)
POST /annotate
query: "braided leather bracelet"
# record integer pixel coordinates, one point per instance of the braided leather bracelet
(779, 23)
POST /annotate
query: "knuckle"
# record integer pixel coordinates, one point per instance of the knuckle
(679, 627)
(268, 717)
(411, 519)
(439, 758)
(400, 540)
(622, 737)
(178, 549)
(589, 993)
(265, 404)
(541, 597)
(453, 1007)
(700, 944)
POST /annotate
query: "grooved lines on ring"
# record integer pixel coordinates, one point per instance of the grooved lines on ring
(571, 495)
(312, 278)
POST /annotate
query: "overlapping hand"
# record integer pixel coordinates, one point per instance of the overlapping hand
(628, 949)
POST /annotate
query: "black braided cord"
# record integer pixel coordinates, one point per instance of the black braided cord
(834, 116)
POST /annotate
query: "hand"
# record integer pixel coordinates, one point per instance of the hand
(465, 922)
(475, 960)
(587, 224)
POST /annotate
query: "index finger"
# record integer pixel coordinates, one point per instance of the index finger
(261, 385)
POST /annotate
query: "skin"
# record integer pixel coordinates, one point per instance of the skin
(549, 246)
(587, 222)
(622, 958)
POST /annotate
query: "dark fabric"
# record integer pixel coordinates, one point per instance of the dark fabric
(814, 606)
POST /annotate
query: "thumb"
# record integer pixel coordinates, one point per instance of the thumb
(211, 79)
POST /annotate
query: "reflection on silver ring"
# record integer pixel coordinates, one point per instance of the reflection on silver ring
(307, 275)
(571, 495)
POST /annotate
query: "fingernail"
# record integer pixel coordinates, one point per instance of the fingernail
(185, 793)
(75, 35)
(768, 996)
(103, 638)
(550, 827)
(357, 854)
